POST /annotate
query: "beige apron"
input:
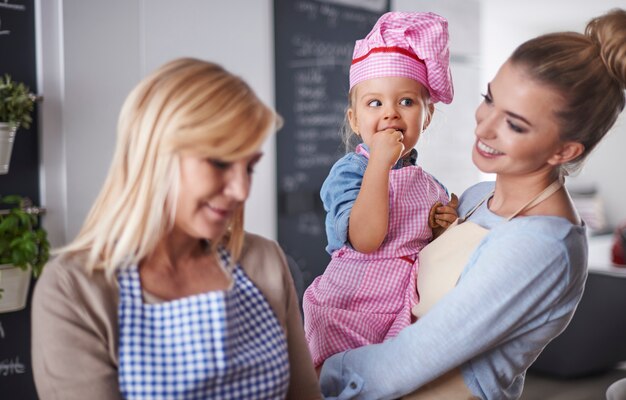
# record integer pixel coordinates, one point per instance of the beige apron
(440, 265)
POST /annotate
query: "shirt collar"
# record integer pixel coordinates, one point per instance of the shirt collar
(409, 159)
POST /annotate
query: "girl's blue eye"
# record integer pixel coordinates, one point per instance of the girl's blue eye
(406, 102)
(375, 103)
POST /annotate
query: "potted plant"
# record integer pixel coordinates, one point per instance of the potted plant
(24, 250)
(16, 107)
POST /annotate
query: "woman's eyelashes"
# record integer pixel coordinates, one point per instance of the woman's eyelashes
(219, 164)
(253, 163)
(251, 167)
(224, 165)
(514, 127)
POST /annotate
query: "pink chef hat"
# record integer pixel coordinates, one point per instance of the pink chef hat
(408, 44)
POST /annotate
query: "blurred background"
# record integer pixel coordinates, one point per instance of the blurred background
(87, 55)
(91, 53)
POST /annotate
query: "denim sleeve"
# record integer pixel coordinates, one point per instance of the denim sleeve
(515, 295)
(338, 193)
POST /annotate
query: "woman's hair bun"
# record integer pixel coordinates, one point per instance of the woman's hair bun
(608, 31)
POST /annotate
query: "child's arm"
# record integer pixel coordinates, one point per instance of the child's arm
(369, 217)
(441, 217)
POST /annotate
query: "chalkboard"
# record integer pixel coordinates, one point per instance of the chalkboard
(314, 40)
(17, 58)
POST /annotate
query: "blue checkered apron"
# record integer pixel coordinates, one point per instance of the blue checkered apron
(215, 345)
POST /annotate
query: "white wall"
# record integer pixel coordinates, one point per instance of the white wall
(91, 54)
(239, 35)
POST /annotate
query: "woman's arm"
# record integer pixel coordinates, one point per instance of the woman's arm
(303, 383)
(508, 300)
(71, 351)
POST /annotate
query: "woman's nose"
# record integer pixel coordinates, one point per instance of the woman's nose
(485, 122)
(238, 183)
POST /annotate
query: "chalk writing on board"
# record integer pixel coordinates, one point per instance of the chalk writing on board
(1, 331)
(11, 366)
(292, 182)
(314, 10)
(317, 112)
(305, 46)
(371, 5)
(3, 31)
(310, 224)
(332, 16)
(18, 7)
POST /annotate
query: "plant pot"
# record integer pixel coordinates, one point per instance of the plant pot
(14, 283)
(7, 137)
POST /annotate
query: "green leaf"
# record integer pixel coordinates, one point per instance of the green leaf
(22, 242)
(11, 199)
(8, 223)
(16, 102)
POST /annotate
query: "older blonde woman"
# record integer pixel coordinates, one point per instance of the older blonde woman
(162, 294)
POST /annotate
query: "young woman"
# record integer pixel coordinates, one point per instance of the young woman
(506, 279)
(162, 294)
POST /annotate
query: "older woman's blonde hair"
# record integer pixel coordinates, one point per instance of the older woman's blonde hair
(185, 104)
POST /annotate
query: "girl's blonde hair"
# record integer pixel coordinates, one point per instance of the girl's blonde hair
(588, 70)
(185, 104)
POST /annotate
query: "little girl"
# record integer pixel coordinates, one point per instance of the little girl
(377, 200)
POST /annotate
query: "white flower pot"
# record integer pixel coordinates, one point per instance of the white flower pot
(15, 283)
(7, 136)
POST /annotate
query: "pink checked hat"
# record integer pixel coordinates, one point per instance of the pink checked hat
(408, 44)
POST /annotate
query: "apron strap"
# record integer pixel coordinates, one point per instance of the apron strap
(470, 212)
(545, 193)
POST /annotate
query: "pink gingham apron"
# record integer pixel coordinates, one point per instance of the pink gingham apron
(366, 298)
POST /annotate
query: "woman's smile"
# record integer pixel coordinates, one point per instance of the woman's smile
(487, 151)
(217, 212)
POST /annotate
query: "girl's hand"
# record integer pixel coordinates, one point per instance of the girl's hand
(387, 147)
(441, 217)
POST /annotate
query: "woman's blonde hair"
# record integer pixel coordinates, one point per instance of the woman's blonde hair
(589, 72)
(185, 104)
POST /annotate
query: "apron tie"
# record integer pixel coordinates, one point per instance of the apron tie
(407, 259)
